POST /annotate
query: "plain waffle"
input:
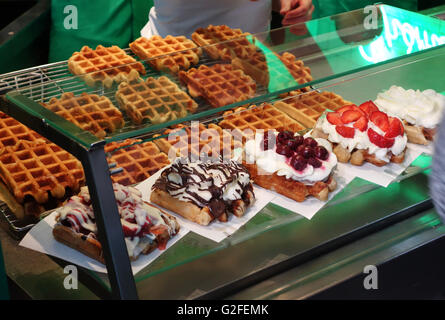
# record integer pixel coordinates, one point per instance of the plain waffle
(157, 100)
(91, 112)
(12, 131)
(34, 169)
(138, 161)
(246, 122)
(307, 107)
(148, 49)
(214, 39)
(264, 67)
(104, 65)
(192, 142)
(219, 84)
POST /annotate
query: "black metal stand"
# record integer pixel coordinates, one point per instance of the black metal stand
(99, 183)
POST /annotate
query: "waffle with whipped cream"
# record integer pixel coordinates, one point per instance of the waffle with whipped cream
(363, 134)
(105, 65)
(145, 227)
(291, 165)
(168, 53)
(204, 191)
(420, 111)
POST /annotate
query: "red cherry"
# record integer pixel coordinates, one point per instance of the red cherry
(308, 152)
(300, 149)
(283, 136)
(268, 141)
(298, 162)
(284, 150)
(310, 142)
(321, 153)
(298, 140)
(314, 162)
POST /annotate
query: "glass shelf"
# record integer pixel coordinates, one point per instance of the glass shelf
(331, 47)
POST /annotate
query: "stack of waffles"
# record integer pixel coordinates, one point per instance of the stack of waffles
(148, 49)
(105, 65)
(156, 100)
(307, 107)
(138, 160)
(90, 112)
(219, 84)
(230, 43)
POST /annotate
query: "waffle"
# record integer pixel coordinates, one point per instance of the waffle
(91, 112)
(246, 122)
(214, 39)
(105, 65)
(306, 108)
(192, 142)
(34, 169)
(156, 46)
(157, 100)
(12, 131)
(263, 67)
(138, 162)
(219, 84)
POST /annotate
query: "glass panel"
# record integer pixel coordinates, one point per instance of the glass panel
(278, 61)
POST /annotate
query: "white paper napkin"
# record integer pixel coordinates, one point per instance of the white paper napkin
(40, 238)
(216, 231)
(309, 207)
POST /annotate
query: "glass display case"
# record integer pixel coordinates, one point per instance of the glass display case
(355, 55)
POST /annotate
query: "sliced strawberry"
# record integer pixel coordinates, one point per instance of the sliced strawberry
(361, 124)
(334, 118)
(379, 140)
(368, 107)
(380, 119)
(346, 132)
(346, 108)
(395, 128)
(350, 116)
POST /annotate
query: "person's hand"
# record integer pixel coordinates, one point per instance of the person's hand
(295, 11)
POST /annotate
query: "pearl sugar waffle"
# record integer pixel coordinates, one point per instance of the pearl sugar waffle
(214, 39)
(197, 140)
(105, 65)
(12, 131)
(267, 67)
(156, 46)
(307, 107)
(91, 112)
(138, 161)
(157, 100)
(37, 168)
(246, 121)
(219, 84)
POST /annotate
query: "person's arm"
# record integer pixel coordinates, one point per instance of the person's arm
(293, 11)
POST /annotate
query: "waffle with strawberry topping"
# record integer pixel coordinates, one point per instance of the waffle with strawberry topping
(145, 227)
(291, 165)
(363, 134)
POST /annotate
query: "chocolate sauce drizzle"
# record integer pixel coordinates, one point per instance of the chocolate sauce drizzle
(204, 183)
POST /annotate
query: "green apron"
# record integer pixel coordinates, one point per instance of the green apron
(105, 22)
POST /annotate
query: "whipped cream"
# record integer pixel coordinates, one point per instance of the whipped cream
(421, 108)
(361, 139)
(271, 162)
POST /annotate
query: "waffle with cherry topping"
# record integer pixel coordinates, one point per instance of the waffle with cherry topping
(105, 65)
(222, 42)
(164, 49)
(218, 84)
(91, 112)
